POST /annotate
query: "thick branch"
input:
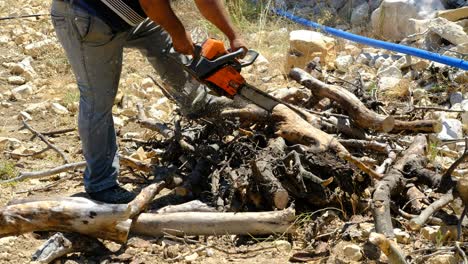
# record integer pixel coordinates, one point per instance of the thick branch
(393, 182)
(363, 117)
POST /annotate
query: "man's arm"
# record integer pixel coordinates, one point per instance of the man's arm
(160, 11)
(214, 11)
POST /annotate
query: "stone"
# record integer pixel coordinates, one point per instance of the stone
(192, 257)
(401, 236)
(24, 68)
(456, 98)
(454, 14)
(37, 48)
(343, 63)
(391, 20)
(448, 30)
(4, 39)
(9, 143)
(261, 61)
(419, 93)
(119, 122)
(59, 109)
(305, 45)
(451, 129)
(147, 83)
(16, 80)
(360, 14)
(442, 259)
(23, 89)
(439, 233)
(283, 245)
(352, 252)
(36, 107)
(209, 252)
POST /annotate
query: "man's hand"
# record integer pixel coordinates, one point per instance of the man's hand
(238, 43)
(183, 44)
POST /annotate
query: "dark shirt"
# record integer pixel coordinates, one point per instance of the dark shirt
(119, 14)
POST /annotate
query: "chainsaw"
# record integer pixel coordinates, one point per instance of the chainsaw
(220, 70)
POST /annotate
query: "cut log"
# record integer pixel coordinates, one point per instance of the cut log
(73, 214)
(358, 112)
(392, 183)
(206, 223)
(262, 173)
(389, 248)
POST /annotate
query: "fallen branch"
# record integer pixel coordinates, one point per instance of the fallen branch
(161, 128)
(46, 141)
(45, 173)
(389, 248)
(208, 223)
(358, 112)
(393, 182)
(293, 128)
(417, 222)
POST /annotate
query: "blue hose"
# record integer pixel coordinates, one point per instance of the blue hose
(451, 61)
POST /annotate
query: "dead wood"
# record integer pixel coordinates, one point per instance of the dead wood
(206, 223)
(46, 141)
(263, 174)
(417, 222)
(389, 247)
(75, 214)
(71, 214)
(125, 161)
(392, 183)
(140, 203)
(135, 164)
(163, 129)
(192, 206)
(349, 102)
(358, 112)
(293, 128)
(340, 125)
(62, 244)
(415, 196)
(45, 173)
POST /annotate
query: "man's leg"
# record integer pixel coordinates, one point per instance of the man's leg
(155, 43)
(95, 54)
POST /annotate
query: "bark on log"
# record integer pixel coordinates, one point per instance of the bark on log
(262, 173)
(292, 127)
(274, 191)
(206, 223)
(75, 214)
(389, 248)
(358, 112)
(392, 183)
(111, 222)
(71, 214)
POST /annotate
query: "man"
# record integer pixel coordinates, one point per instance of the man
(93, 34)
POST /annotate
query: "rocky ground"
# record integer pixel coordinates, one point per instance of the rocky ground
(37, 86)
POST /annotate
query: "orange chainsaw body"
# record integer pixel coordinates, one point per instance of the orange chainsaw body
(227, 78)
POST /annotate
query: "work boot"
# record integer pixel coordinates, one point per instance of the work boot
(113, 195)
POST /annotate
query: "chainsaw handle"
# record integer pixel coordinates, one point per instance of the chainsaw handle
(251, 56)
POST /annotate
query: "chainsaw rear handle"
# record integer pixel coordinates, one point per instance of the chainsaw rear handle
(249, 58)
